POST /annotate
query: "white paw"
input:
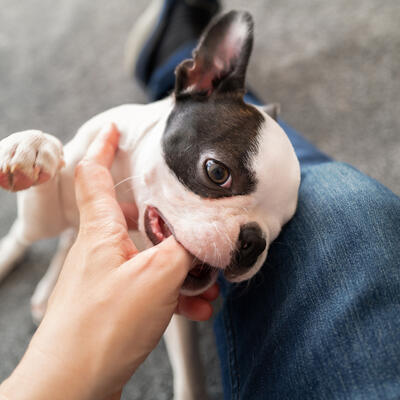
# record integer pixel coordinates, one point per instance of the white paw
(29, 158)
(40, 298)
(38, 310)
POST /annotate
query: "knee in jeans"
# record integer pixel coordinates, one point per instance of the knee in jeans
(337, 194)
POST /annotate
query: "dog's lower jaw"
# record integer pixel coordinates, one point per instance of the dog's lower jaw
(195, 285)
(201, 276)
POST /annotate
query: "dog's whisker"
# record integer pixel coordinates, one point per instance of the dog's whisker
(127, 179)
(202, 261)
(230, 242)
(217, 252)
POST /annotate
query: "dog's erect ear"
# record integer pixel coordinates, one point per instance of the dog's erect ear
(272, 109)
(220, 59)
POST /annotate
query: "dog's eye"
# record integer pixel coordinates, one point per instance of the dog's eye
(218, 173)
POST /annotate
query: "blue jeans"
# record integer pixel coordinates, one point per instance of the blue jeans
(321, 320)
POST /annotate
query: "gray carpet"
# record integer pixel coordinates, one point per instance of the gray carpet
(332, 65)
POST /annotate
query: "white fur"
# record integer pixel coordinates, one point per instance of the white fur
(208, 228)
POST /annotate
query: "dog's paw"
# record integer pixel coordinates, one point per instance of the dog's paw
(29, 158)
(38, 309)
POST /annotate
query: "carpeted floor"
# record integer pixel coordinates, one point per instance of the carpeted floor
(332, 65)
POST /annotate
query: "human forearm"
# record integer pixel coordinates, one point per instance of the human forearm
(40, 376)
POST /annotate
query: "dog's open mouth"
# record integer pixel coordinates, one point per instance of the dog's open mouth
(157, 229)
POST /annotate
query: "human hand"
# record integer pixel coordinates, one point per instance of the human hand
(111, 304)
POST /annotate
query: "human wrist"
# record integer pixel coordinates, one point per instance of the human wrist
(39, 376)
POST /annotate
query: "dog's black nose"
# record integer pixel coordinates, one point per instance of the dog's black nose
(250, 245)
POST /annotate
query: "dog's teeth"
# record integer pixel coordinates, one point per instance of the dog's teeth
(160, 236)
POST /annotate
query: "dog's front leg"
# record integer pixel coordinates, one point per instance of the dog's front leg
(183, 351)
(31, 160)
(46, 285)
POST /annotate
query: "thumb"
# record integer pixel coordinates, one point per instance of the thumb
(168, 262)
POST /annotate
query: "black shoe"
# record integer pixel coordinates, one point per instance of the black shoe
(164, 27)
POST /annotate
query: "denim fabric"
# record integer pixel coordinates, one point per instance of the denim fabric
(321, 320)
(162, 80)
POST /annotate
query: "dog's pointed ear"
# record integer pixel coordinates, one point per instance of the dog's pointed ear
(272, 109)
(220, 60)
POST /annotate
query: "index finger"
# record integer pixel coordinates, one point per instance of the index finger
(95, 194)
(103, 148)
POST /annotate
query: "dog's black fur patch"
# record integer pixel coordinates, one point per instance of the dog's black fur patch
(223, 128)
(210, 118)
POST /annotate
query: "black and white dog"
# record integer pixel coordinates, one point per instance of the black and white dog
(217, 173)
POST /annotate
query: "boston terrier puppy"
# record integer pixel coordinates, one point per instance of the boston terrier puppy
(217, 173)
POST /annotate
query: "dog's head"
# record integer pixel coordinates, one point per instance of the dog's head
(225, 178)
